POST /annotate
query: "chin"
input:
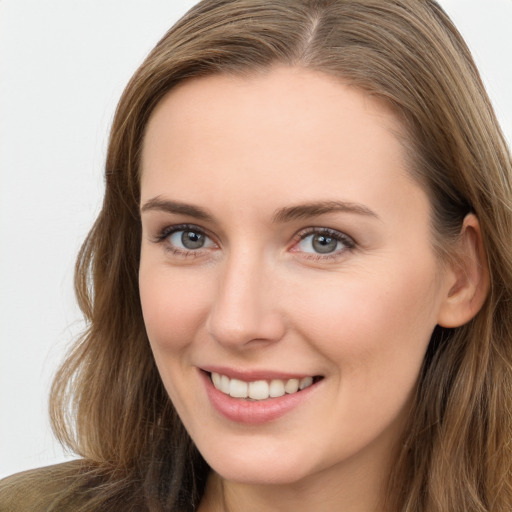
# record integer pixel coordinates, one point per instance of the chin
(260, 465)
(247, 473)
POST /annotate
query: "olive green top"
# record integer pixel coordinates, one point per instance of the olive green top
(77, 485)
(37, 489)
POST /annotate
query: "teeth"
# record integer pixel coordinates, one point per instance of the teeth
(224, 384)
(216, 380)
(259, 389)
(238, 388)
(292, 386)
(305, 382)
(276, 388)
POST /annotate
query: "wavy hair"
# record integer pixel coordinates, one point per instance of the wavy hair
(108, 403)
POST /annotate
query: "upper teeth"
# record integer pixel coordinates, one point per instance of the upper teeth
(259, 389)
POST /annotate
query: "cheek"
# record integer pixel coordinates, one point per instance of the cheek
(374, 333)
(173, 305)
(373, 325)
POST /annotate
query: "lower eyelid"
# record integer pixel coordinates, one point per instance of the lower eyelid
(183, 253)
(313, 256)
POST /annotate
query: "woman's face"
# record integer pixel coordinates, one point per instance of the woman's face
(285, 244)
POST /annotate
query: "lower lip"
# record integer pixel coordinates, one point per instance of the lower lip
(254, 412)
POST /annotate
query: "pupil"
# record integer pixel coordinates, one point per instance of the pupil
(192, 240)
(324, 244)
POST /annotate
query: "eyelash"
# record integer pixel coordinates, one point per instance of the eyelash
(347, 241)
(165, 234)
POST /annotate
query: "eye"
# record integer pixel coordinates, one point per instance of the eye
(188, 239)
(324, 241)
(185, 239)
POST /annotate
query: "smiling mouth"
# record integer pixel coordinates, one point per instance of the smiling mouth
(261, 389)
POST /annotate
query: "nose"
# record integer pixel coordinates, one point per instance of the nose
(245, 311)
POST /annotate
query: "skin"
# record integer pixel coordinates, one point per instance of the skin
(256, 297)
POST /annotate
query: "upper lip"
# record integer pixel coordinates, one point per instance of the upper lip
(249, 375)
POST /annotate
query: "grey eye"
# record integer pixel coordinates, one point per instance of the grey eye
(190, 239)
(324, 244)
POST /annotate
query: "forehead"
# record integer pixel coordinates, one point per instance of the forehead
(296, 94)
(287, 126)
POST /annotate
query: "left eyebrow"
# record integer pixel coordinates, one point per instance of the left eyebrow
(302, 211)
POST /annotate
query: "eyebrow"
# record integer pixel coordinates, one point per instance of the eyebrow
(282, 215)
(307, 210)
(166, 205)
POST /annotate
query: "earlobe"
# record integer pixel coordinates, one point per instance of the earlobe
(467, 278)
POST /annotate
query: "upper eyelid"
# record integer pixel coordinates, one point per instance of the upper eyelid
(320, 229)
(313, 230)
(168, 230)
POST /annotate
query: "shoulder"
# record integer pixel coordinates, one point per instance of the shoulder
(78, 485)
(38, 489)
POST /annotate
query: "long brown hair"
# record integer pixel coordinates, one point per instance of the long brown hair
(108, 403)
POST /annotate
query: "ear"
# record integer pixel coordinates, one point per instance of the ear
(467, 277)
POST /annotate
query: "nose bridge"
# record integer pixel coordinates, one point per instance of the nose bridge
(244, 308)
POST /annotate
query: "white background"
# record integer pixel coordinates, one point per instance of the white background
(63, 65)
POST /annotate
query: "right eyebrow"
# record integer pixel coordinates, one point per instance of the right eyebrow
(165, 205)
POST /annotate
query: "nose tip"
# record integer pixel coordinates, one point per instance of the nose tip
(240, 332)
(244, 312)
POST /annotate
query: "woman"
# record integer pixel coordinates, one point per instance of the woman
(298, 287)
